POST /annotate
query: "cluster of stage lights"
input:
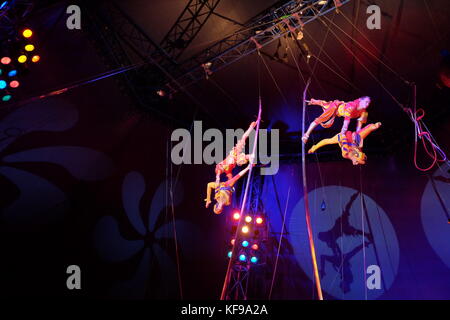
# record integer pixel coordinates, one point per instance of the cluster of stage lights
(11, 65)
(248, 247)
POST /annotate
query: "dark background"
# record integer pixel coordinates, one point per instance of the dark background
(81, 180)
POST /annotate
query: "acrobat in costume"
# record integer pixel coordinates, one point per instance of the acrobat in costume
(223, 191)
(351, 143)
(235, 157)
(331, 109)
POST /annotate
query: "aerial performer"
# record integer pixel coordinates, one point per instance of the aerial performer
(223, 191)
(351, 143)
(235, 157)
(356, 109)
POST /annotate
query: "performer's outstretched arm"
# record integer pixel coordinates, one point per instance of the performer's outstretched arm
(324, 142)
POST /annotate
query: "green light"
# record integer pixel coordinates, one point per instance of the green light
(6, 98)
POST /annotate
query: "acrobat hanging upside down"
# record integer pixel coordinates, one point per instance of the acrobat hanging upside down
(223, 191)
(331, 109)
(351, 143)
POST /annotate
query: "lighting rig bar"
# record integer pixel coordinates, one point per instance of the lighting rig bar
(259, 32)
(187, 26)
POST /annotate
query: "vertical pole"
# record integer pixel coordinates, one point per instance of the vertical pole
(234, 250)
(305, 196)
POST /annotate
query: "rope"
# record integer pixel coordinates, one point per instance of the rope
(363, 226)
(307, 213)
(279, 245)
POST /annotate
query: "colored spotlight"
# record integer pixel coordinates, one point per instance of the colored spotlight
(248, 219)
(236, 216)
(259, 220)
(242, 257)
(229, 254)
(4, 3)
(14, 84)
(245, 243)
(232, 242)
(27, 33)
(6, 60)
(12, 73)
(6, 98)
(244, 229)
(255, 247)
(22, 58)
(254, 259)
(29, 47)
(2, 84)
(35, 59)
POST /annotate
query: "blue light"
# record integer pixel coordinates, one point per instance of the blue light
(2, 84)
(242, 257)
(12, 73)
(3, 4)
(254, 259)
(229, 254)
(245, 243)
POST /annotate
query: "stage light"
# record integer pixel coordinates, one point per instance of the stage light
(229, 254)
(322, 2)
(27, 33)
(5, 60)
(232, 242)
(245, 243)
(29, 47)
(242, 257)
(22, 58)
(236, 216)
(14, 84)
(35, 59)
(248, 219)
(254, 259)
(2, 84)
(244, 229)
(6, 98)
(255, 247)
(4, 3)
(259, 220)
(12, 73)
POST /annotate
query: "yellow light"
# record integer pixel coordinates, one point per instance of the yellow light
(29, 47)
(248, 219)
(22, 58)
(259, 220)
(27, 33)
(244, 229)
(35, 59)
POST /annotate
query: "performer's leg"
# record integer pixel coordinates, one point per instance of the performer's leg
(308, 132)
(241, 143)
(211, 185)
(233, 180)
(324, 142)
(364, 132)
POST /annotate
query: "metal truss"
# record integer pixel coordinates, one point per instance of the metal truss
(259, 32)
(240, 277)
(12, 13)
(187, 26)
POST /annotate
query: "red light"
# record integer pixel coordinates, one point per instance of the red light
(232, 242)
(259, 220)
(255, 247)
(236, 216)
(6, 60)
(14, 84)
